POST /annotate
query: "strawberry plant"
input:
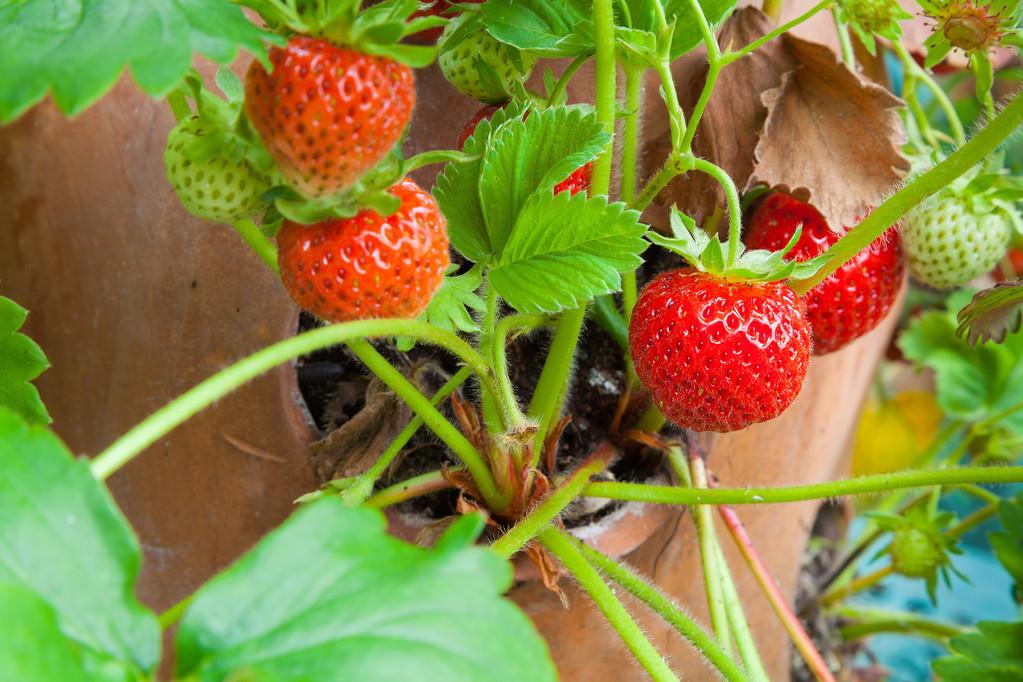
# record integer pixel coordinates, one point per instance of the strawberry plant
(540, 216)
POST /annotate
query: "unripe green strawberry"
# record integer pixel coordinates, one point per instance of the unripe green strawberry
(948, 244)
(914, 553)
(216, 189)
(873, 16)
(481, 67)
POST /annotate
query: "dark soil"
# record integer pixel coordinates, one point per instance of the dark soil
(333, 383)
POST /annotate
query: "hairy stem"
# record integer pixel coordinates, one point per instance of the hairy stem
(357, 492)
(862, 485)
(418, 486)
(730, 57)
(805, 646)
(734, 207)
(193, 401)
(630, 155)
(853, 586)
(740, 628)
(666, 609)
(566, 77)
(565, 550)
(910, 64)
(845, 43)
(552, 505)
(258, 242)
(552, 387)
(437, 422)
(504, 327)
(868, 622)
(919, 189)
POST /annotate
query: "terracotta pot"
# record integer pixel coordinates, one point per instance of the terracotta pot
(134, 302)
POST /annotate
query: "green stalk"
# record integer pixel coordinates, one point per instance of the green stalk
(544, 514)
(258, 242)
(737, 622)
(438, 423)
(874, 621)
(862, 485)
(666, 609)
(655, 185)
(362, 487)
(973, 520)
(848, 55)
(730, 57)
(713, 580)
(888, 213)
(853, 586)
(607, 315)
(179, 105)
(493, 415)
(424, 484)
(566, 77)
(616, 614)
(193, 401)
(552, 387)
(734, 207)
(630, 155)
(504, 327)
(937, 91)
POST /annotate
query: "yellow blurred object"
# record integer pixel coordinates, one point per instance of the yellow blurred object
(894, 433)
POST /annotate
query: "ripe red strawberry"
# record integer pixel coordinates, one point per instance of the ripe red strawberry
(578, 181)
(367, 266)
(328, 114)
(438, 8)
(854, 299)
(719, 355)
(1011, 266)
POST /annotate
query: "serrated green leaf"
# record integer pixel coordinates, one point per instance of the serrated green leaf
(544, 28)
(994, 654)
(64, 539)
(566, 250)
(973, 383)
(447, 309)
(1008, 542)
(34, 649)
(636, 46)
(533, 156)
(331, 594)
(21, 361)
(992, 314)
(77, 49)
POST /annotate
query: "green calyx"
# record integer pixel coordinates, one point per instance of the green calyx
(377, 30)
(921, 545)
(868, 18)
(707, 254)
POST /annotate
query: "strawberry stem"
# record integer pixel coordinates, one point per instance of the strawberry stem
(201, 396)
(362, 487)
(418, 486)
(604, 597)
(734, 206)
(861, 485)
(552, 387)
(857, 585)
(844, 41)
(553, 504)
(666, 609)
(917, 190)
(259, 243)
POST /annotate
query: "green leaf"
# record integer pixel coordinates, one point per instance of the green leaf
(457, 189)
(447, 309)
(545, 28)
(532, 156)
(1008, 542)
(34, 649)
(329, 595)
(566, 250)
(78, 48)
(994, 654)
(687, 31)
(63, 538)
(21, 361)
(973, 383)
(992, 314)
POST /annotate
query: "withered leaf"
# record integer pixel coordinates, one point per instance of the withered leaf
(831, 137)
(992, 314)
(731, 124)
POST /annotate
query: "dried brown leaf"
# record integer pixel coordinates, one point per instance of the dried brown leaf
(831, 136)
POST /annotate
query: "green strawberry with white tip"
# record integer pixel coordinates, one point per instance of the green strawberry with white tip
(963, 231)
(478, 65)
(212, 187)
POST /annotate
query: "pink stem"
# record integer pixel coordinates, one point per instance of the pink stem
(787, 616)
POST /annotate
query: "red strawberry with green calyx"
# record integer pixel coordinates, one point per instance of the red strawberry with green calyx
(336, 99)
(720, 346)
(578, 181)
(855, 298)
(367, 266)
